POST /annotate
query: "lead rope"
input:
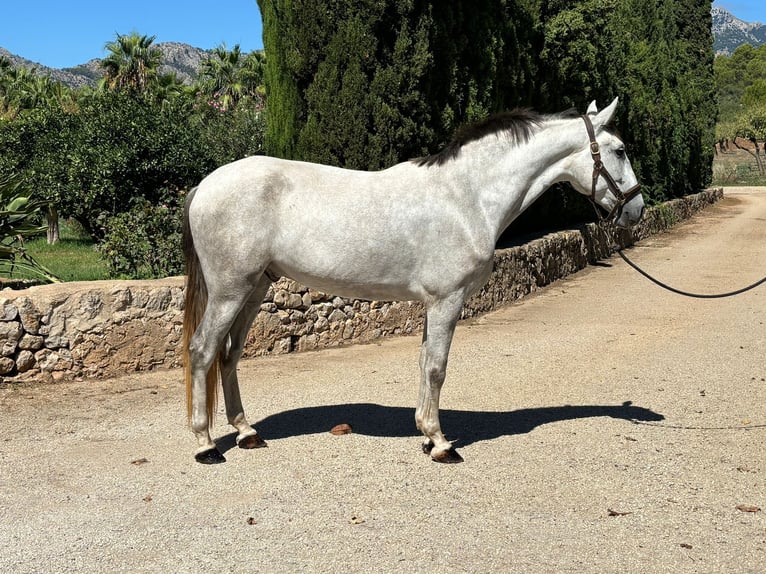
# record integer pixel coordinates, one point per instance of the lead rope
(659, 283)
(686, 293)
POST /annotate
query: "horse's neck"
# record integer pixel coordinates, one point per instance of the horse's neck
(506, 182)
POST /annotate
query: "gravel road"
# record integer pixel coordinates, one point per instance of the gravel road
(607, 426)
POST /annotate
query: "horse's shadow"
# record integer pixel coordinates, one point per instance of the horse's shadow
(467, 427)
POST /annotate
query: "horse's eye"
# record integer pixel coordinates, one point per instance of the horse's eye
(620, 152)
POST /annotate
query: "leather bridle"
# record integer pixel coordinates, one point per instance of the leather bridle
(599, 170)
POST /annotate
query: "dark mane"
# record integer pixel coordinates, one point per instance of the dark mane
(517, 125)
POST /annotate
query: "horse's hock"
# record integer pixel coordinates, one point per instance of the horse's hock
(108, 328)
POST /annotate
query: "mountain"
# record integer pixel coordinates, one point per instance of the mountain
(183, 59)
(729, 32)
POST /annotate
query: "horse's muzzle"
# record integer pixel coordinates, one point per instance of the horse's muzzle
(630, 213)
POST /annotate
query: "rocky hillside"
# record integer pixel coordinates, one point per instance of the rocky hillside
(182, 59)
(730, 32)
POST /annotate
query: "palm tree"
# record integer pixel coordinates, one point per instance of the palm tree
(228, 76)
(5, 69)
(35, 90)
(253, 70)
(220, 76)
(132, 62)
(24, 89)
(5, 83)
(167, 88)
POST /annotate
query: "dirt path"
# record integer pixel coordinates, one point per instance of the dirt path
(607, 426)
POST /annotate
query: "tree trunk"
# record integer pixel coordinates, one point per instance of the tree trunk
(756, 154)
(53, 225)
(758, 160)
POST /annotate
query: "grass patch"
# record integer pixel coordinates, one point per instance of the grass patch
(736, 168)
(74, 258)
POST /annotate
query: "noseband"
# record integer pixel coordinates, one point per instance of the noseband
(599, 170)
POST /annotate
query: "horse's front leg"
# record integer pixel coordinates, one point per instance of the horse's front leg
(441, 318)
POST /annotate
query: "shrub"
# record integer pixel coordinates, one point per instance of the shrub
(145, 241)
(124, 149)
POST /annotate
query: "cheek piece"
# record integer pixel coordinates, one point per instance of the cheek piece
(599, 170)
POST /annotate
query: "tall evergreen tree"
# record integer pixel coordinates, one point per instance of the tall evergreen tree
(367, 83)
(285, 76)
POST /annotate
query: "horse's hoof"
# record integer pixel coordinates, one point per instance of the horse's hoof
(450, 456)
(251, 441)
(427, 447)
(210, 456)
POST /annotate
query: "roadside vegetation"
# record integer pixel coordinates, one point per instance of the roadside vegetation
(116, 161)
(735, 167)
(741, 129)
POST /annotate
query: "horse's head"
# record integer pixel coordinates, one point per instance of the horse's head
(601, 170)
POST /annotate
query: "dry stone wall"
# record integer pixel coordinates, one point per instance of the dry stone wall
(108, 328)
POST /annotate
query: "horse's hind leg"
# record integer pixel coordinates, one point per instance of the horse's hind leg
(247, 437)
(205, 344)
(441, 318)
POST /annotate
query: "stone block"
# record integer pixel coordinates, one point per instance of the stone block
(6, 365)
(8, 311)
(25, 361)
(31, 342)
(28, 314)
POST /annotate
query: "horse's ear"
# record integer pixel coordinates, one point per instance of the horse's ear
(605, 116)
(592, 109)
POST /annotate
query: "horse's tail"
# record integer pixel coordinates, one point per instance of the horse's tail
(195, 301)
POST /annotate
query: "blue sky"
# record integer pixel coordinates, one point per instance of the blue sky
(747, 10)
(66, 33)
(62, 34)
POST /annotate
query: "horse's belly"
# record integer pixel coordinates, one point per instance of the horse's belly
(359, 281)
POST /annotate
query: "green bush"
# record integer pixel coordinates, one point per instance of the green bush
(229, 135)
(123, 147)
(144, 242)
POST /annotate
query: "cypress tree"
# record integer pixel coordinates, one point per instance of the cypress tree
(699, 107)
(367, 83)
(670, 94)
(657, 57)
(284, 114)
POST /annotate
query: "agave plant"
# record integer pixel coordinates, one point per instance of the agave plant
(17, 222)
